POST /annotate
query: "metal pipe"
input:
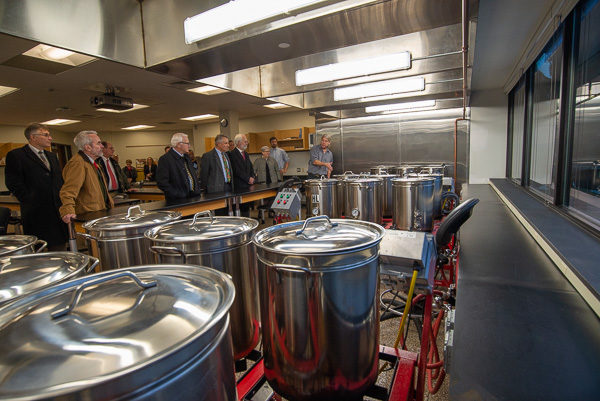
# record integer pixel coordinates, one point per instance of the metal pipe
(465, 38)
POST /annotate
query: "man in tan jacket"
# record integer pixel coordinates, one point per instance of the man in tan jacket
(85, 188)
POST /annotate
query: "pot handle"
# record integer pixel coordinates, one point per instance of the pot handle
(278, 266)
(87, 236)
(348, 172)
(138, 213)
(310, 219)
(92, 265)
(43, 244)
(157, 248)
(204, 213)
(79, 290)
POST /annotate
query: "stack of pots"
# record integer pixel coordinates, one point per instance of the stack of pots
(364, 199)
(118, 241)
(143, 333)
(319, 307)
(413, 203)
(341, 190)
(322, 196)
(11, 245)
(222, 243)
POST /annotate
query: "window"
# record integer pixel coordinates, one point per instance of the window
(518, 129)
(585, 168)
(546, 101)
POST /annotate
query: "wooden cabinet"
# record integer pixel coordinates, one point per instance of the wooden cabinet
(288, 139)
(7, 147)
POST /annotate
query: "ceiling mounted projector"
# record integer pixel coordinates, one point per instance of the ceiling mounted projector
(110, 101)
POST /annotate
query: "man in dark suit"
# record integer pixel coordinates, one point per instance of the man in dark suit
(34, 176)
(114, 176)
(243, 172)
(215, 168)
(175, 175)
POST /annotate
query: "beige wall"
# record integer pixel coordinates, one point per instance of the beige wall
(139, 144)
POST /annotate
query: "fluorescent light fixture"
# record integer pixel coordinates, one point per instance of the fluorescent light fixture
(389, 87)
(58, 55)
(6, 90)
(354, 68)
(141, 126)
(423, 104)
(200, 117)
(135, 107)
(237, 14)
(60, 121)
(277, 106)
(208, 90)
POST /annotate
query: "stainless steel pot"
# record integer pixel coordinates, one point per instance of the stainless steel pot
(438, 185)
(143, 333)
(386, 194)
(20, 245)
(223, 243)
(413, 203)
(433, 169)
(319, 282)
(322, 197)
(118, 241)
(364, 199)
(21, 275)
(341, 190)
(383, 169)
(404, 170)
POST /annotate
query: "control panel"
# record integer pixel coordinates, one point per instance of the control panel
(287, 205)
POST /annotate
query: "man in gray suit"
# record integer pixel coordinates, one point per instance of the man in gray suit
(215, 168)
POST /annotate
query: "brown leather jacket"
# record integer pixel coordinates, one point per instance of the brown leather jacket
(81, 191)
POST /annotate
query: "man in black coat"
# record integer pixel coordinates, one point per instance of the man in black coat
(114, 176)
(243, 172)
(175, 175)
(34, 176)
(216, 173)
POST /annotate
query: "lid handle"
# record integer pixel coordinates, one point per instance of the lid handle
(134, 213)
(204, 213)
(348, 173)
(43, 244)
(79, 290)
(92, 265)
(314, 218)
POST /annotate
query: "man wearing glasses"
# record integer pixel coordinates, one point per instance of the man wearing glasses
(34, 176)
(175, 174)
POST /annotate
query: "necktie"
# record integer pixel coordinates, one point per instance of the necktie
(44, 159)
(113, 180)
(244, 155)
(189, 174)
(227, 171)
(102, 184)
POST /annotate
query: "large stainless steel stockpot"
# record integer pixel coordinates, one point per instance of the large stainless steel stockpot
(20, 245)
(142, 333)
(341, 190)
(319, 282)
(438, 185)
(404, 170)
(223, 243)
(433, 169)
(383, 169)
(21, 275)
(118, 241)
(322, 196)
(413, 203)
(364, 199)
(386, 193)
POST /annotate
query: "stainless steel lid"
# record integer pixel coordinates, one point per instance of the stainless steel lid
(364, 181)
(200, 228)
(413, 180)
(91, 330)
(13, 243)
(322, 180)
(135, 220)
(319, 235)
(20, 275)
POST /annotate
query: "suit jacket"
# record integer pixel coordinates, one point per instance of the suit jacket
(172, 178)
(260, 168)
(82, 191)
(212, 178)
(151, 171)
(37, 189)
(242, 169)
(122, 183)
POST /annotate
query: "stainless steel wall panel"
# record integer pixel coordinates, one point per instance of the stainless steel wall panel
(110, 29)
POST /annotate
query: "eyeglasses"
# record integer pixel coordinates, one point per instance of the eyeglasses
(185, 143)
(47, 135)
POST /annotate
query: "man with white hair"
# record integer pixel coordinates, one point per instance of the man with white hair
(175, 174)
(85, 188)
(243, 173)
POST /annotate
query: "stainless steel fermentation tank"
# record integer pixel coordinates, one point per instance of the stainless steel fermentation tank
(322, 197)
(364, 199)
(413, 203)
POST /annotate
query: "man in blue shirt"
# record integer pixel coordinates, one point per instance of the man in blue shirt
(321, 159)
(280, 156)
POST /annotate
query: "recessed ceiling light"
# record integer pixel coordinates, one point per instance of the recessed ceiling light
(277, 105)
(6, 90)
(208, 90)
(388, 87)
(58, 55)
(283, 45)
(135, 107)
(60, 121)
(354, 68)
(421, 105)
(141, 126)
(200, 117)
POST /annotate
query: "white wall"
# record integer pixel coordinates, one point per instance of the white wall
(487, 150)
(139, 144)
